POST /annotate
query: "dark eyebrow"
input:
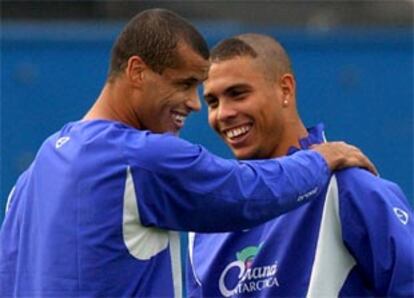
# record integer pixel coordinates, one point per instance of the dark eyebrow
(233, 88)
(190, 80)
(208, 95)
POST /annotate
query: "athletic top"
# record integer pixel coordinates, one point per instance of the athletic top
(96, 213)
(355, 240)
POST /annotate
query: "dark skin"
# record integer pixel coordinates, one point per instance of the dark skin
(144, 99)
(257, 117)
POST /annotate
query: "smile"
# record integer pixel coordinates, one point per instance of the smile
(237, 132)
(178, 119)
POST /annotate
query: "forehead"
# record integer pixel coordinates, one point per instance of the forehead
(190, 63)
(238, 70)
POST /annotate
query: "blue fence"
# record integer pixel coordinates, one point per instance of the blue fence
(358, 82)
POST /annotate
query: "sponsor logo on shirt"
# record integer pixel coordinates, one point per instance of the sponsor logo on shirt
(61, 141)
(401, 215)
(307, 195)
(247, 277)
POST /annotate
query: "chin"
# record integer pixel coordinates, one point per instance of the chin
(243, 155)
(174, 132)
(248, 154)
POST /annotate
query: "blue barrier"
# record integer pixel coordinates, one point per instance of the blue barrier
(358, 82)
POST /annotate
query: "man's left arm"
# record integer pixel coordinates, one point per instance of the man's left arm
(378, 229)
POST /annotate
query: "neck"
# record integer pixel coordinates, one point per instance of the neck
(293, 131)
(112, 104)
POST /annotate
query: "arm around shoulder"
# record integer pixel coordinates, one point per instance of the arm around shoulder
(183, 186)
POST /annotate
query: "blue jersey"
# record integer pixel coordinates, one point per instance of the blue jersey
(97, 212)
(355, 240)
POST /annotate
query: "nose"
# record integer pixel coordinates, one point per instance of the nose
(225, 111)
(194, 101)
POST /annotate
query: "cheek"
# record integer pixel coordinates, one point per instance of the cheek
(271, 123)
(212, 119)
(175, 96)
(266, 121)
(168, 98)
(271, 111)
(168, 93)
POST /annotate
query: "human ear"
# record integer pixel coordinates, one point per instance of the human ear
(288, 86)
(135, 70)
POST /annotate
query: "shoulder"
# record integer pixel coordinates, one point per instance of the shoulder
(125, 137)
(363, 195)
(153, 146)
(154, 143)
(160, 152)
(358, 182)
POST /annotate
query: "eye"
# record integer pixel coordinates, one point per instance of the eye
(212, 102)
(187, 85)
(238, 93)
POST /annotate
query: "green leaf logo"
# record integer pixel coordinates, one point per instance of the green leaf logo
(247, 254)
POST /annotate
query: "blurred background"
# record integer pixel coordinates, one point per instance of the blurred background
(353, 62)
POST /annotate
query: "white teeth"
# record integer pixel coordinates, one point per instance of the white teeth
(236, 132)
(179, 118)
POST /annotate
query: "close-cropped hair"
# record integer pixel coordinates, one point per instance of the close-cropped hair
(230, 48)
(264, 49)
(153, 35)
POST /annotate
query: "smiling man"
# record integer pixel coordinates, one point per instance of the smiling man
(355, 240)
(96, 213)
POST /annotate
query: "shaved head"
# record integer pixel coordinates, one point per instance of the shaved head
(267, 52)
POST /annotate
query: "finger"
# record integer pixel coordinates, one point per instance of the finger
(369, 165)
(360, 160)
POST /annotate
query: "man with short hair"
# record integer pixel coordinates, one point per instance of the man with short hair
(355, 240)
(98, 210)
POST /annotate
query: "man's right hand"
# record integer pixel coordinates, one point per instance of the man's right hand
(339, 155)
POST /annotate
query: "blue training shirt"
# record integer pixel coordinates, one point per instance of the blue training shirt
(355, 240)
(96, 213)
